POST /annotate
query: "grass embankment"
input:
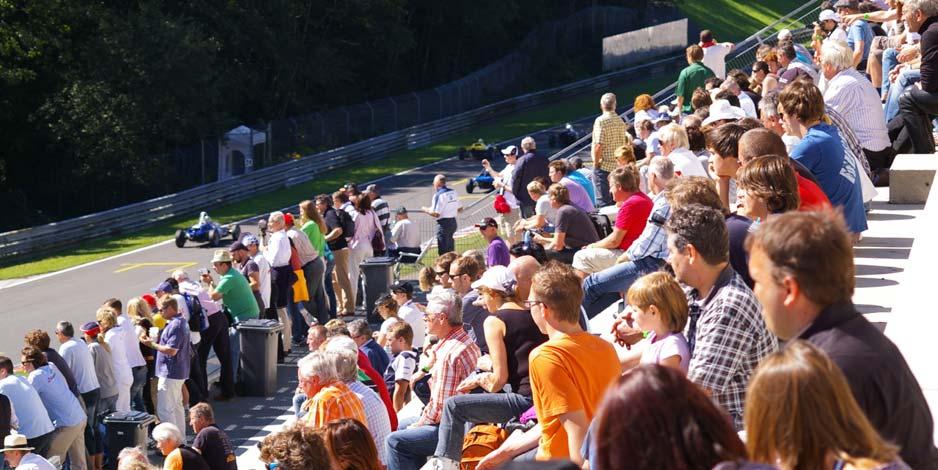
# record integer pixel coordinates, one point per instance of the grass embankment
(737, 19)
(509, 126)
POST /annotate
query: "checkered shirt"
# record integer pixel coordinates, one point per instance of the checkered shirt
(653, 242)
(456, 356)
(379, 424)
(333, 402)
(728, 338)
(609, 130)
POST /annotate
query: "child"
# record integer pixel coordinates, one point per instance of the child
(387, 309)
(659, 308)
(397, 377)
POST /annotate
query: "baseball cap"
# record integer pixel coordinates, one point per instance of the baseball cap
(372, 188)
(91, 328)
(164, 286)
(497, 278)
(487, 222)
(846, 4)
(402, 287)
(249, 240)
(288, 219)
(510, 150)
(237, 246)
(829, 15)
(402, 210)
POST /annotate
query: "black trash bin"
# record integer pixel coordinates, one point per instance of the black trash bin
(377, 275)
(259, 357)
(126, 429)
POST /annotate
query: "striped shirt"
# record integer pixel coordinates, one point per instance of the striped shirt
(609, 131)
(455, 358)
(333, 402)
(653, 241)
(379, 424)
(383, 211)
(849, 139)
(853, 96)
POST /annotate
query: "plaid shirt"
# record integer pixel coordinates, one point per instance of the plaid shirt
(379, 423)
(728, 338)
(455, 356)
(609, 130)
(333, 402)
(653, 242)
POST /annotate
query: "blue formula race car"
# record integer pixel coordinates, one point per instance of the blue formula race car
(206, 230)
(484, 182)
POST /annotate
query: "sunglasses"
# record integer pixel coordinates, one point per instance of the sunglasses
(441, 273)
(528, 304)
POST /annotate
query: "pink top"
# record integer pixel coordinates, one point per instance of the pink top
(674, 344)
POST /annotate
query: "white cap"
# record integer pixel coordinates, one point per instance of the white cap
(722, 109)
(510, 150)
(497, 278)
(784, 34)
(829, 15)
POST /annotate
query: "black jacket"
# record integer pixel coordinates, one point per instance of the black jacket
(529, 166)
(881, 381)
(929, 46)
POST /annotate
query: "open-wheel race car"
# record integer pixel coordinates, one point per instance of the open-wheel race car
(478, 150)
(206, 230)
(484, 182)
(565, 137)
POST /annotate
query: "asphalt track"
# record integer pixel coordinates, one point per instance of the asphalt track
(75, 294)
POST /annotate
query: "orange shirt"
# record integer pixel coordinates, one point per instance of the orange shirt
(569, 374)
(334, 402)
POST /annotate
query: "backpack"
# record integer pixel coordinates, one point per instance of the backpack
(346, 222)
(602, 224)
(197, 319)
(480, 441)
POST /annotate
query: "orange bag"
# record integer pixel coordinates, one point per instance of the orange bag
(480, 441)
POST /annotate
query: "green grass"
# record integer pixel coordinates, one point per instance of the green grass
(509, 126)
(737, 19)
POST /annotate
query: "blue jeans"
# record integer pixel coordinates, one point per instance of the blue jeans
(445, 229)
(890, 60)
(299, 324)
(903, 81)
(601, 187)
(602, 289)
(408, 449)
(463, 410)
(298, 401)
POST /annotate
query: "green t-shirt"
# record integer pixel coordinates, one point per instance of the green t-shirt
(237, 295)
(692, 77)
(311, 229)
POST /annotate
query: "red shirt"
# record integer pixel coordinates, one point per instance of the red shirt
(365, 365)
(812, 197)
(632, 217)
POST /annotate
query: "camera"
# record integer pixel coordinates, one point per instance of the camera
(203, 271)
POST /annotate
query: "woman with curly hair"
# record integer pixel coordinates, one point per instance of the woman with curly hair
(297, 447)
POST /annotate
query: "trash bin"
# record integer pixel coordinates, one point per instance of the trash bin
(126, 429)
(259, 356)
(377, 275)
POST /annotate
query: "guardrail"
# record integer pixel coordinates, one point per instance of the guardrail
(47, 238)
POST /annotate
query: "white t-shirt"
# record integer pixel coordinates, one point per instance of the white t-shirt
(748, 106)
(715, 58)
(79, 360)
(543, 207)
(405, 234)
(131, 343)
(264, 280)
(445, 203)
(414, 317)
(122, 373)
(508, 175)
(32, 461)
(404, 365)
(686, 163)
(27, 403)
(63, 407)
(387, 324)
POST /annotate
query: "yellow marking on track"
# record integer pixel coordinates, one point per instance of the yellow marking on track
(173, 266)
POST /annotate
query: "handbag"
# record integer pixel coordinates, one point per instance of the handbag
(377, 240)
(300, 291)
(501, 204)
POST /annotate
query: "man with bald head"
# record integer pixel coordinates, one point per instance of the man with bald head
(759, 142)
(524, 268)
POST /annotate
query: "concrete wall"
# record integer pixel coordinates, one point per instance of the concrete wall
(630, 48)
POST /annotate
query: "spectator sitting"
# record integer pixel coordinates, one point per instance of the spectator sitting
(809, 256)
(79, 361)
(917, 105)
(462, 273)
(658, 305)
(674, 145)
(25, 401)
(524, 268)
(403, 365)
(767, 185)
(528, 249)
(497, 251)
(609, 133)
(745, 102)
(18, 453)
(512, 333)
(386, 308)
(296, 447)
(133, 458)
(544, 214)
(454, 357)
(405, 236)
(772, 120)
(403, 294)
(360, 332)
(759, 142)
(573, 230)
(634, 208)
(723, 142)
(582, 179)
(210, 441)
(793, 68)
(529, 167)
(329, 397)
(172, 444)
(316, 336)
(557, 171)
(762, 80)
(647, 253)
(822, 151)
(350, 446)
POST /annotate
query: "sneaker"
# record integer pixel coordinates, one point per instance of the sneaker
(440, 463)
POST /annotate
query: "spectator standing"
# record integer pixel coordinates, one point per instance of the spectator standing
(361, 334)
(497, 251)
(793, 68)
(629, 224)
(503, 183)
(381, 208)
(101, 358)
(444, 207)
(822, 152)
(313, 268)
(171, 441)
(573, 230)
(725, 330)
(691, 78)
(714, 53)
(235, 294)
(216, 335)
(557, 171)
(173, 351)
(454, 358)
(249, 269)
(676, 147)
(278, 253)
(329, 397)
(826, 30)
(849, 93)
(405, 236)
(342, 304)
(802, 263)
(918, 105)
(462, 273)
(210, 441)
(314, 226)
(859, 33)
(609, 133)
(64, 408)
(135, 360)
(403, 294)
(25, 401)
(79, 361)
(40, 340)
(18, 453)
(530, 166)
(360, 245)
(113, 337)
